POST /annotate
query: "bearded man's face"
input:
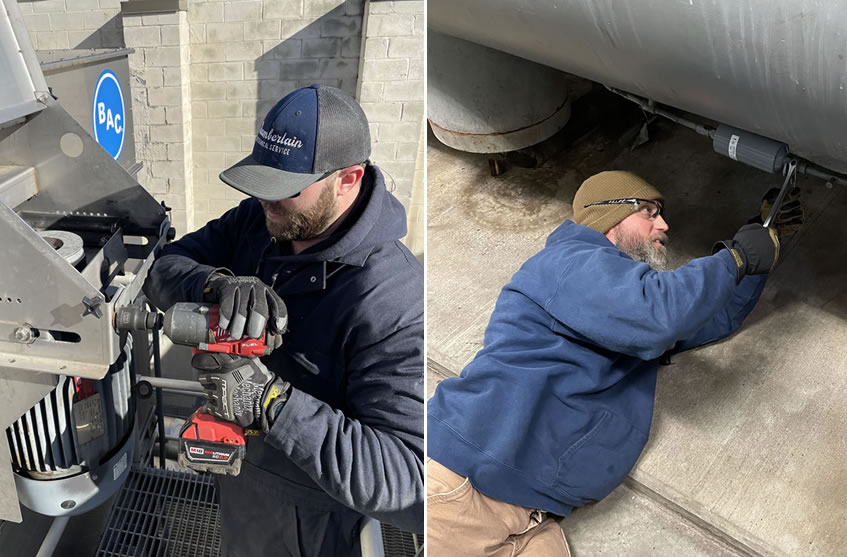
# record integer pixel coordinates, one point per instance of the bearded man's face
(303, 217)
(642, 236)
(651, 249)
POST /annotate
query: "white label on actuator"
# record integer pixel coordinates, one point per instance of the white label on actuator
(119, 467)
(88, 415)
(733, 144)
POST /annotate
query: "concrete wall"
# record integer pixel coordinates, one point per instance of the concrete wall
(391, 87)
(205, 72)
(58, 24)
(246, 55)
(161, 101)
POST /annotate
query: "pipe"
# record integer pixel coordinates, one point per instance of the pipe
(803, 166)
(829, 176)
(649, 105)
(182, 385)
(54, 534)
(160, 419)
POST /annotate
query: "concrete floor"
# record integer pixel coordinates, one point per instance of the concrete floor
(747, 450)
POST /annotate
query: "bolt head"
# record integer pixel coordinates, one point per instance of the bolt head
(24, 335)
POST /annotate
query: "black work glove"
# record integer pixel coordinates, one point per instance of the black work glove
(246, 305)
(240, 390)
(754, 248)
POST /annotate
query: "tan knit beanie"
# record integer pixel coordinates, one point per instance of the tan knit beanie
(612, 184)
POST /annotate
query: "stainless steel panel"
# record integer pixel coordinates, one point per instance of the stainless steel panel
(17, 184)
(89, 186)
(22, 88)
(9, 507)
(43, 290)
(777, 68)
(38, 286)
(72, 77)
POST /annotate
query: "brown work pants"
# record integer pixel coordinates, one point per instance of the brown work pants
(461, 522)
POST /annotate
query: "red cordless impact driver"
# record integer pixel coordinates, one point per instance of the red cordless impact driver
(207, 443)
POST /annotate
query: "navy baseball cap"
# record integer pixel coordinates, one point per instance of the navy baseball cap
(308, 135)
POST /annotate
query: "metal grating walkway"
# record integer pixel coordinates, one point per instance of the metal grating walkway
(398, 543)
(163, 513)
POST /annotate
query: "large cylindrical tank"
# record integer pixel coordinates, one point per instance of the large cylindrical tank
(486, 101)
(777, 68)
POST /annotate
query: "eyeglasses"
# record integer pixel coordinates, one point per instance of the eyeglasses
(647, 208)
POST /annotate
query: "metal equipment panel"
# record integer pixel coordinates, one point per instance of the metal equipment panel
(21, 90)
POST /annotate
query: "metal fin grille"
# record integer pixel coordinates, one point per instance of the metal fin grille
(398, 543)
(44, 440)
(163, 513)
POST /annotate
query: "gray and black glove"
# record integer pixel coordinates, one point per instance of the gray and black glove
(240, 390)
(754, 248)
(246, 305)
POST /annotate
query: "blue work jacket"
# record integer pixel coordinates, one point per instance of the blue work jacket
(352, 429)
(555, 409)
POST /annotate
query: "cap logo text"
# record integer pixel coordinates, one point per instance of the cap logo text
(277, 143)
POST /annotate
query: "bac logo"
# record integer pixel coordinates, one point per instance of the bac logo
(195, 450)
(107, 114)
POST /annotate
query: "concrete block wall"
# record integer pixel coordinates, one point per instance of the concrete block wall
(391, 90)
(246, 55)
(416, 211)
(161, 103)
(63, 24)
(196, 116)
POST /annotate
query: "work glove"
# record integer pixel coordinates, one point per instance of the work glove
(791, 215)
(754, 248)
(247, 305)
(240, 390)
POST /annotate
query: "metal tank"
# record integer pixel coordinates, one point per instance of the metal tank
(483, 100)
(777, 68)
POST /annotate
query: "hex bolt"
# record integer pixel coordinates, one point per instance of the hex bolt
(24, 334)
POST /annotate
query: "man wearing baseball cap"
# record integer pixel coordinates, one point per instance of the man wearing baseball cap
(555, 409)
(340, 401)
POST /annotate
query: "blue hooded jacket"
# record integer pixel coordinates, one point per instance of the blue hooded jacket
(555, 409)
(352, 430)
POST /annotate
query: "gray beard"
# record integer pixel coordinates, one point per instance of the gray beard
(304, 225)
(642, 249)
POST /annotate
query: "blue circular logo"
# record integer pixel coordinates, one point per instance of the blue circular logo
(107, 114)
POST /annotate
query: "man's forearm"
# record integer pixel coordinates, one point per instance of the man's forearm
(176, 278)
(368, 469)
